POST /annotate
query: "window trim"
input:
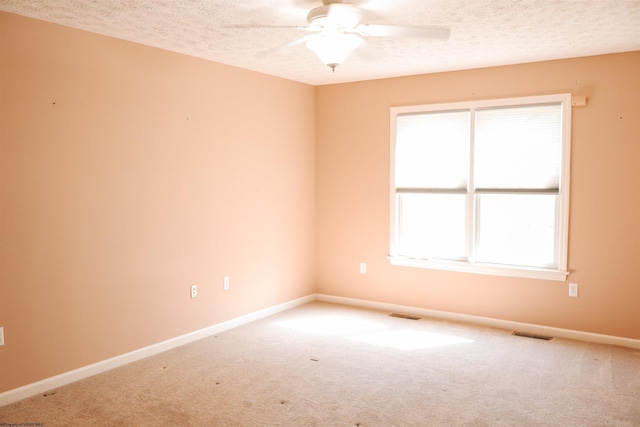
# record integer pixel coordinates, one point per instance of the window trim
(470, 266)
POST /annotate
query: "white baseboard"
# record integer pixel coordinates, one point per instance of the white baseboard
(65, 378)
(486, 321)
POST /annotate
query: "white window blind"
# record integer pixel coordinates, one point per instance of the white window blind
(433, 149)
(518, 147)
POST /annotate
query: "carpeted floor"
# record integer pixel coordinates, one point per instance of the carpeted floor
(329, 365)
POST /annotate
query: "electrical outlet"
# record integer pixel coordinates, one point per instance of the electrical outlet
(226, 283)
(363, 268)
(194, 291)
(2, 336)
(573, 290)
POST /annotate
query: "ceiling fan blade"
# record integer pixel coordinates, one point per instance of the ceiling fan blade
(244, 27)
(278, 49)
(366, 52)
(425, 32)
(309, 28)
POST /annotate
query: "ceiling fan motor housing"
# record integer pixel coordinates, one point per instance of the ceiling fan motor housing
(337, 14)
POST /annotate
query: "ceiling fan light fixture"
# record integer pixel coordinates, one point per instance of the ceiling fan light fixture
(334, 47)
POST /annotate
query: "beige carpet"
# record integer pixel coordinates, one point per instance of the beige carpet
(330, 365)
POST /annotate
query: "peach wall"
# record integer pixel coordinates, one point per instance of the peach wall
(127, 174)
(352, 161)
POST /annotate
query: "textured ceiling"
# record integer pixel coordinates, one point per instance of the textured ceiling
(483, 32)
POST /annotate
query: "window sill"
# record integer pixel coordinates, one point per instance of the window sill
(490, 269)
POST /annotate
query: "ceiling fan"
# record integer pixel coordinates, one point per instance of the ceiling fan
(336, 31)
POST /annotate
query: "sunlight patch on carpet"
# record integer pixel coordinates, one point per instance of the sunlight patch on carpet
(370, 332)
(409, 339)
(331, 325)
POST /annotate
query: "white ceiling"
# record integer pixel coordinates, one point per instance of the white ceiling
(483, 32)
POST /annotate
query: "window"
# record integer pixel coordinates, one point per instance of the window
(482, 186)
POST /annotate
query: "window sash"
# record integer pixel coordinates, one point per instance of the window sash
(524, 222)
(432, 217)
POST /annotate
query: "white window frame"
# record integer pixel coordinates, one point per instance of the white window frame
(470, 266)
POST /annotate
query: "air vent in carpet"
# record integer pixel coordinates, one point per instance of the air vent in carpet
(528, 335)
(404, 316)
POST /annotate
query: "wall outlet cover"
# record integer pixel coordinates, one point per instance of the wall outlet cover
(573, 290)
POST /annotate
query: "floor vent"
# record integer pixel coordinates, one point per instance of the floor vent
(404, 316)
(528, 335)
